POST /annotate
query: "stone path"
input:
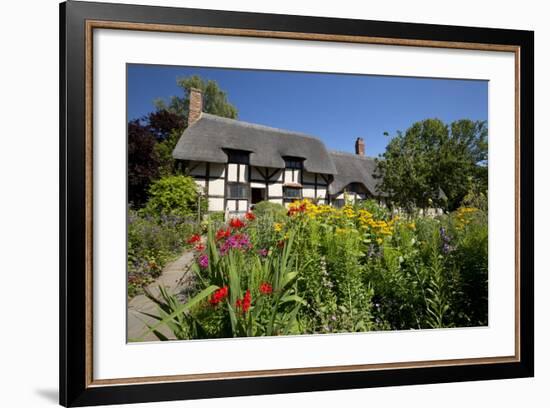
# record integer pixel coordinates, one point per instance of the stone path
(176, 277)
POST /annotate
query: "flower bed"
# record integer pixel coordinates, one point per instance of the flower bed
(325, 270)
(152, 242)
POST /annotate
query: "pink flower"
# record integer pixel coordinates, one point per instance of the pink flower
(237, 241)
(203, 261)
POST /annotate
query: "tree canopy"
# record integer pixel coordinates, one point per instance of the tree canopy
(152, 138)
(434, 164)
(214, 99)
(143, 162)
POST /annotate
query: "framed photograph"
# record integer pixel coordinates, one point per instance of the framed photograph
(257, 204)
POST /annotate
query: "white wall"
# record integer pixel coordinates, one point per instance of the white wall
(29, 205)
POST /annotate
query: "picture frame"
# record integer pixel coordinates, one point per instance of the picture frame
(78, 20)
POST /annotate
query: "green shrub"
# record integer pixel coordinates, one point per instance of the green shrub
(276, 212)
(216, 219)
(175, 196)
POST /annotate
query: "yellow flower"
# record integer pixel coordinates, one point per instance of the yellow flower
(379, 240)
(278, 226)
(412, 225)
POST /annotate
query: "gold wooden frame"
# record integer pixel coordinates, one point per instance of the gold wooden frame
(99, 24)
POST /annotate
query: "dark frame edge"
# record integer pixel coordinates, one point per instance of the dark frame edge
(527, 199)
(62, 208)
(72, 302)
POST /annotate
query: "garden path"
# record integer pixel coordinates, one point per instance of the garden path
(176, 277)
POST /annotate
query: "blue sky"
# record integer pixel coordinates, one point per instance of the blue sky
(336, 108)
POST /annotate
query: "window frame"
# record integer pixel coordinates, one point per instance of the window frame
(245, 186)
(237, 156)
(292, 198)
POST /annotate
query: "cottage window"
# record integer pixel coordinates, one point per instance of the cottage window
(237, 156)
(291, 163)
(237, 191)
(292, 193)
(355, 188)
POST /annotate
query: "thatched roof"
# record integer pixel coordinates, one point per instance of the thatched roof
(207, 138)
(354, 168)
(210, 137)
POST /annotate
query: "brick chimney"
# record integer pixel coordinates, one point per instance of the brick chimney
(360, 146)
(195, 105)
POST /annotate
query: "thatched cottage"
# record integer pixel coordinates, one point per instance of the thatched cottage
(239, 164)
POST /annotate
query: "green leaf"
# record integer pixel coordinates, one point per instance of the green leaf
(293, 298)
(183, 308)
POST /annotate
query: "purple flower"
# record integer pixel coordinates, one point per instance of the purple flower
(446, 241)
(237, 241)
(263, 252)
(203, 261)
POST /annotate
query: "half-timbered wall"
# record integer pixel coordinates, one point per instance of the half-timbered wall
(215, 180)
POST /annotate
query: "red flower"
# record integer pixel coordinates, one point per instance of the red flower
(194, 238)
(266, 288)
(244, 303)
(250, 216)
(200, 247)
(236, 223)
(223, 233)
(219, 295)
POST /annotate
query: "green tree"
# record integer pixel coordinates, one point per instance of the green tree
(168, 129)
(435, 164)
(175, 195)
(214, 99)
(163, 150)
(152, 138)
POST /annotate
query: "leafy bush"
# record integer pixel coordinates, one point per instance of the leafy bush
(275, 211)
(215, 219)
(175, 196)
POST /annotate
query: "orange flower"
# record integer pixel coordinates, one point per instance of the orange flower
(236, 223)
(219, 295)
(223, 233)
(194, 238)
(266, 288)
(244, 303)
